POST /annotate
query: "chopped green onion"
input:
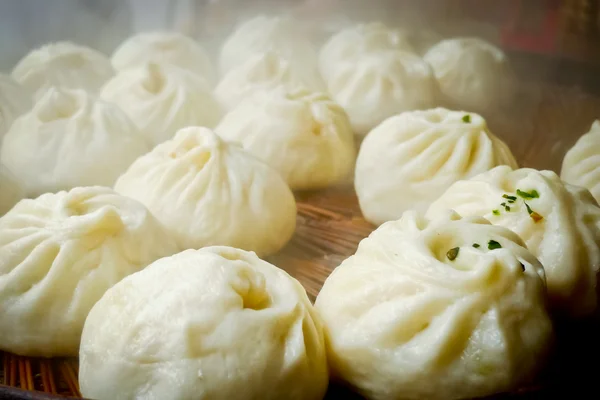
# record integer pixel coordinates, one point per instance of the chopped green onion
(476, 245)
(528, 195)
(466, 118)
(452, 253)
(507, 208)
(495, 212)
(509, 198)
(492, 245)
(534, 216)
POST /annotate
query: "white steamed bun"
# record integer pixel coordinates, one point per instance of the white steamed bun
(11, 190)
(280, 35)
(581, 165)
(472, 73)
(262, 72)
(348, 45)
(420, 313)
(15, 101)
(164, 47)
(161, 99)
(63, 64)
(208, 192)
(409, 160)
(379, 85)
(304, 135)
(216, 323)
(560, 224)
(70, 139)
(59, 253)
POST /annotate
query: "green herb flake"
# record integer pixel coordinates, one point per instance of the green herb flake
(493, 245)
(507, 208)
(476, 245)
(452, 253)
(528, 195)
(496, 212)
(511, 199)
(503, 204)
(466, 118)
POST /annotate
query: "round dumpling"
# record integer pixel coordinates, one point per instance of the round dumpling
(409, 160)
(280, 35)
(14, 102)
(472, 73)
(70, 139)
(207, 192)
(164, 47)
(63, 64)
(161, 99)
(10, 190)
(560, 224)
(305, 136)
(581, 165)
(59, 253)
(216, 323)
(349, 44)
(449, 308)
(382, 84)
(260, 73)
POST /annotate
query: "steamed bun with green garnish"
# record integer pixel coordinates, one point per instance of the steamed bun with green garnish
(472, 74)
(379, 85)
(171, 48)
(447, 308)
(280, 35)
(161, 99)
(70, 138)
(581, 165)
(560, 224)
(15, 101)
(410, 159)
(304, 135)
(59, 253)
(348, 45)
(65, 65)
(209, 192)
(217, 323)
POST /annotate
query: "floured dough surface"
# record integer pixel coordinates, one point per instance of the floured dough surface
(216, 323)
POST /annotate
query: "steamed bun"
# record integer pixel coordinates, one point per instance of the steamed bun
(14, 102)
(70, 139)
(216, 323)
(560, 224)
(262, 72)
(349, 44)
(472, 73)
(59, 253)
(409, 160)
(379, 85)
(208, 192)
(581, 165)
(280, 35)
(161, 99)
(163, 47)
(63, 64)
(305, 136)
(420, 313)
(10, 190)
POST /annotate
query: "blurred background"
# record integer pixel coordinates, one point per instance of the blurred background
(558, 29)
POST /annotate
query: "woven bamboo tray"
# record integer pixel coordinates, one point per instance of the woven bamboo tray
(540, 126)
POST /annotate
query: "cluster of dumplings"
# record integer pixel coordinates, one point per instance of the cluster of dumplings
(137, 193)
